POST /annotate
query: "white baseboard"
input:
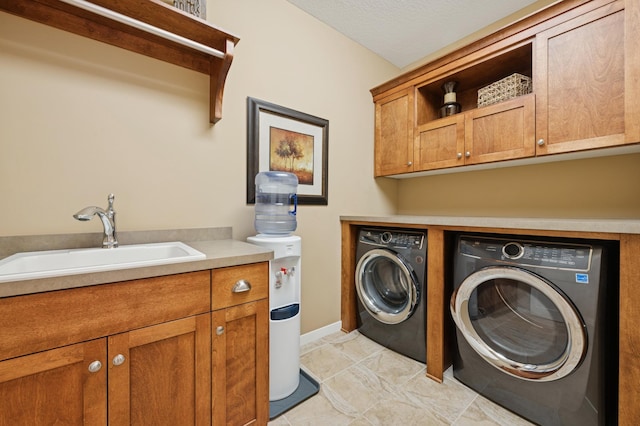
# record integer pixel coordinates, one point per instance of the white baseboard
(319, 333)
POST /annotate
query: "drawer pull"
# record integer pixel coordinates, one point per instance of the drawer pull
(241, 286)
(220, 330)
(95, 366)
(118, 360)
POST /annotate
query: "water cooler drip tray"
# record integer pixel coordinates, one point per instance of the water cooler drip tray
(306, 389)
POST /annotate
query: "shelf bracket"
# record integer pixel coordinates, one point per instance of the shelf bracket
(219, 71)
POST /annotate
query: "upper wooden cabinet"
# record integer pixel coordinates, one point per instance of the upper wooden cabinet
(394, 134)
(493, 133)
(584, 84)
(154, 13)
(585, 70)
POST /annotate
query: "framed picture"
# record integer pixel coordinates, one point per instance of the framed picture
(281, 139)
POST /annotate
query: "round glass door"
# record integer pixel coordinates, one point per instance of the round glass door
(519, 323)
(386, 286)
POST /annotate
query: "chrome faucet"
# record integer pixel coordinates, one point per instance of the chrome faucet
(108, 218)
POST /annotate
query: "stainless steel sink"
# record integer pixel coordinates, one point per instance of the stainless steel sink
(55, 263)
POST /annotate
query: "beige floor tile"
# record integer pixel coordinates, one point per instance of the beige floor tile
(311, 346)
(359, 387)
(392, 412)
(360, 422)
(484, 412)
(316, 411)
(325, 361)
(365, 384)
(356, 346)
(394, 368)
(448, 399)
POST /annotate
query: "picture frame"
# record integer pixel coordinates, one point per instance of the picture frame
(282, 139)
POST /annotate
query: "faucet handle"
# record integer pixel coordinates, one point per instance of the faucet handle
(110, 198)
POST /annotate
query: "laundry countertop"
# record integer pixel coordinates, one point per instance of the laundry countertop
(216, 243)
(617, 226)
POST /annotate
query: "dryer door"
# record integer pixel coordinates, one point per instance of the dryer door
(387, 286)
(520, 323)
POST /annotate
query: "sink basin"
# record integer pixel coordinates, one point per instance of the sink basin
(55, 263)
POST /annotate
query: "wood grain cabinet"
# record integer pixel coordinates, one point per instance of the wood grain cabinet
(499, 132)
(586, 81)
(160, 374)
(394, 134)
(240, 330)
(155, 375)
(585, 70)
(56, 386)
(139, 352)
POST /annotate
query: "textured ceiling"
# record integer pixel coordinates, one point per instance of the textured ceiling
(405, 31)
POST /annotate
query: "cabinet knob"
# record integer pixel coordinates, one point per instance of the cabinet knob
(241, 286)
(220, 330)
(540, 142)
(410, 163)
(459, 155)
(118, 359)
(467, 154)
(95, 366)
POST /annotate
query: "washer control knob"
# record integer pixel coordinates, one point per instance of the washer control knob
(386, 237)
(513, 250)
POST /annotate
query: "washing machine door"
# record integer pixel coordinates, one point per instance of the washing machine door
(520, 323)
(387, 286)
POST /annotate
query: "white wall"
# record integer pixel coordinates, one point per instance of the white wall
(80, 119)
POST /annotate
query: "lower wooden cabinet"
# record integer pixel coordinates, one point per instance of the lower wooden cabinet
(149, 352)
(240, 342)
(241, 364)
(56, 386)
(157, 375)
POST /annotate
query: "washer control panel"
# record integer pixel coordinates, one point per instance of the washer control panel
(392, 239)
(531, 253)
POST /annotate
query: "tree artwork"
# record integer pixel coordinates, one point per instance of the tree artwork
(292, 152)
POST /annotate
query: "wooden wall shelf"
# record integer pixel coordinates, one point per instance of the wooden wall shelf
(153, 12)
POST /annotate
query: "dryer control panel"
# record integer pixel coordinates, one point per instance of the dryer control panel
(575, 257)
(392, 239)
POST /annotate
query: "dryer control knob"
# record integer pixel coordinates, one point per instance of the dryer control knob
(513, 250)
(386, 237)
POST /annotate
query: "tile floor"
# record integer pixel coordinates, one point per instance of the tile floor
(365, 384)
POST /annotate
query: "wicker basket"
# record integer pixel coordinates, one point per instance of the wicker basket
(509, 87)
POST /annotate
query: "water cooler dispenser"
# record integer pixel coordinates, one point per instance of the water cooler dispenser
(275, 221)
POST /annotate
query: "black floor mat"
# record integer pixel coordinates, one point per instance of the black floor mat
(306, 389)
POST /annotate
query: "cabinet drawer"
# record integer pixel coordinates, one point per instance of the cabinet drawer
(42, 321)
(228, 289)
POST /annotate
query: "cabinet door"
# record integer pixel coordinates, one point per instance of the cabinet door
(56, 387)
(440, 144)
(241, 364)
(584, 81)
(394, 134)
(503, 131)
(160, 375)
